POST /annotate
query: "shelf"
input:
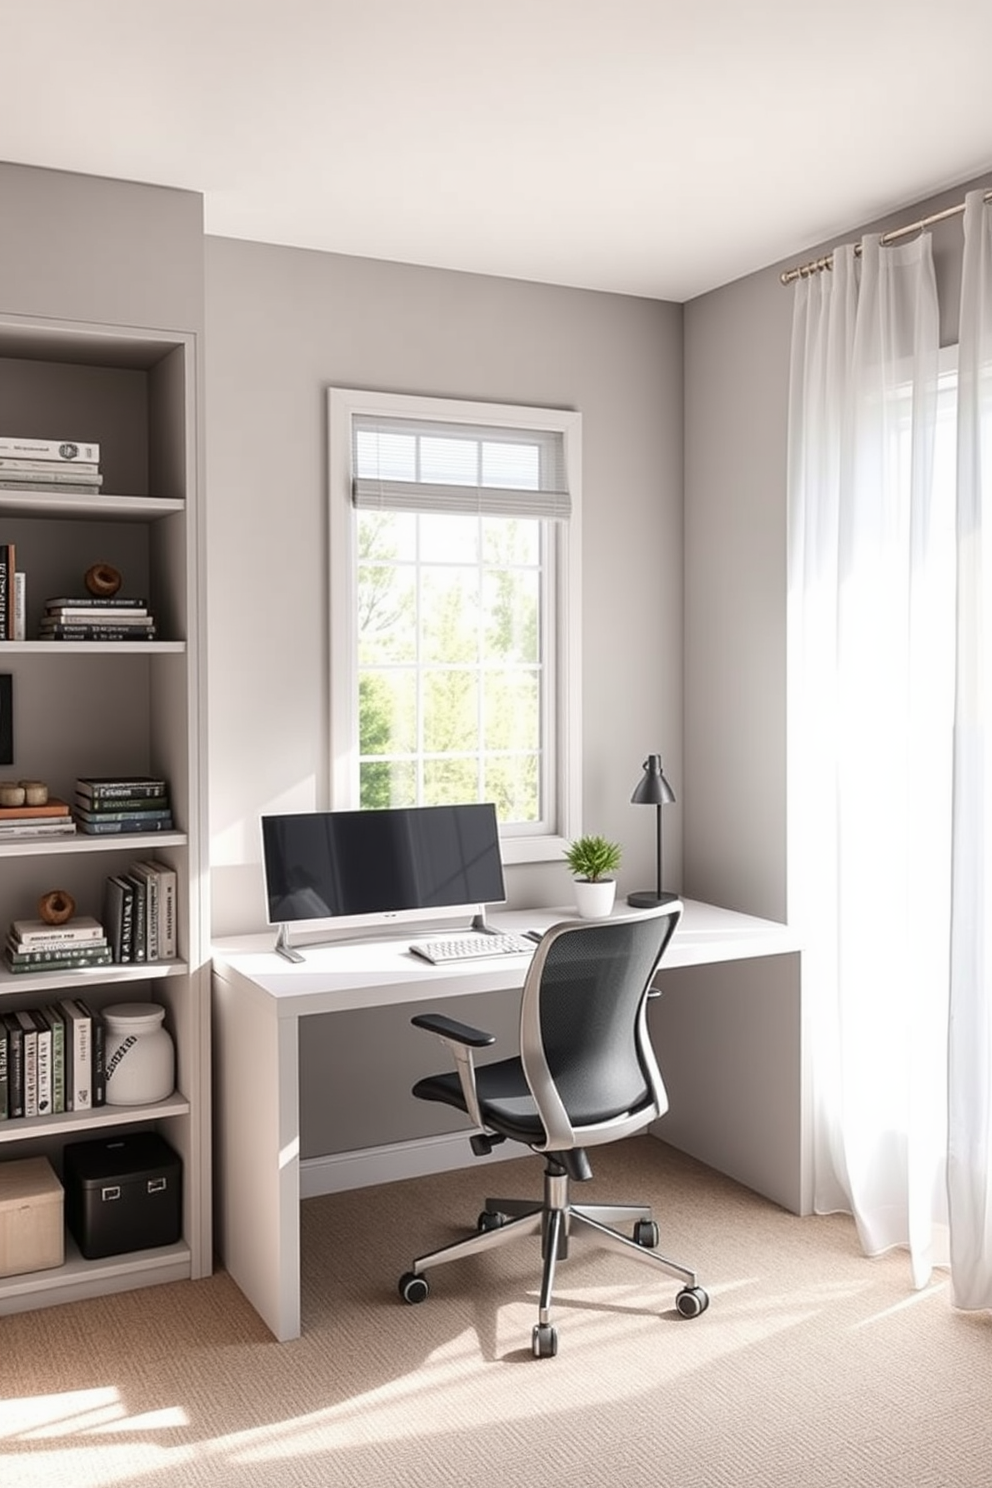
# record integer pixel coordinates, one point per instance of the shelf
(101, 508)
(26, 982)
(92, 648)
(77, 1278)
(81, 706)
(78, 1123)
(25, 847)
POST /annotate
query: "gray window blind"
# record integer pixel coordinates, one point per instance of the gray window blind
(426, 465)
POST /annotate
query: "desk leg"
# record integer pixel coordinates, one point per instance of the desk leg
(256, 1106)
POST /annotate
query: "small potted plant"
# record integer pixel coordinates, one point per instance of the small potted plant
(593, 861)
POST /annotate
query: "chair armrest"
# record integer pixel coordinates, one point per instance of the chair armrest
(448, 1028)
(461, 1039)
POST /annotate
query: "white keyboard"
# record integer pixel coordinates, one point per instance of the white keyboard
(472, 947)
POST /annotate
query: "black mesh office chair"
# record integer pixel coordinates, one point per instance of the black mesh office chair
(585, 1074)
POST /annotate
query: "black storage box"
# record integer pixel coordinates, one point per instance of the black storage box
(122, 1193)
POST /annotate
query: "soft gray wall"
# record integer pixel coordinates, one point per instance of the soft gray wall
(92, 249)
(736, 399)
(282, 326)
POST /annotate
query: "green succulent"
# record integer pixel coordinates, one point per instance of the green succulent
(592, 858)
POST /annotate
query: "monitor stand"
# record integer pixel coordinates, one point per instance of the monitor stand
(283, 947)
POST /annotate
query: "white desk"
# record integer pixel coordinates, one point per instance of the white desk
(258, 1001)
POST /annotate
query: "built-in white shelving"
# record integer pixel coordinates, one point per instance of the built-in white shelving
(99, 708)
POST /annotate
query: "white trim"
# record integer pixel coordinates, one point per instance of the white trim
(341, 1171)
(342, 787)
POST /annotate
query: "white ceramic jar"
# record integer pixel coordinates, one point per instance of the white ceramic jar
(139, 1058)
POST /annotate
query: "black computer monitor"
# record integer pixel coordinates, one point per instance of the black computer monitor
(367, 869)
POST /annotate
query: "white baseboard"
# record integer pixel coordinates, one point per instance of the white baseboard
(341, 1171)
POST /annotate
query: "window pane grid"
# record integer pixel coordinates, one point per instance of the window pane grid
(450, 660)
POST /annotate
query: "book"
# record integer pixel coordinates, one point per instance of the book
(44, 1034)
(62, 474)
(166, 887)
(41, 934)
(143, 873)
(29, 1037)
(4, 1043)
(52, 826)
(104, 787)
(56, 1023)
(51, 488)
(81, 1055)
(97, 1051)
(96, 633)
(96, 602)
(15, 1065)
(54, 624)
(20, 605)
(129, 805)
(18, 967)
(128, 824)
(7, 556)
(84, 468)
(85, 954)
(62, 450)
(120, 614)
(139, 943)
(118, 914)
(54, 806)
(126, 813)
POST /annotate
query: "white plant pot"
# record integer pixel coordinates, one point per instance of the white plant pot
(594, 901)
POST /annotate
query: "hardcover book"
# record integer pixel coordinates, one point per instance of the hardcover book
(40, 933)
(104, 787)
(56, 1023)
(118, 915)
(15, 1065)
(82, 467)
(61, 450)
(81, 1055)
(4, 1093)
(135, 824)
(29, 1044)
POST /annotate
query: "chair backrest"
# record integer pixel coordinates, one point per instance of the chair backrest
(584, 1040)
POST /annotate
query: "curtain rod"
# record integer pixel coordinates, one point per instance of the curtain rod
(817, 265)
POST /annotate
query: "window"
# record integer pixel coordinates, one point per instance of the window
(455, 621)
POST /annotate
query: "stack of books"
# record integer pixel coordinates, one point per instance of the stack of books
(51, 1060)
(127, 803)
(84, 617)
(49, 466)
(34, 945)
(54, 819)
(139, 911)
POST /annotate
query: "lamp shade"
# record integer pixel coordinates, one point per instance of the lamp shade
(652, 789)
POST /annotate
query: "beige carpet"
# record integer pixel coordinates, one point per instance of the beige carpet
(812, 1366)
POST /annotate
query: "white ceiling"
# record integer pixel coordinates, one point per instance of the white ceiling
(648, 147)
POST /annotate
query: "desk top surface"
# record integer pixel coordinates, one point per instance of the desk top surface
(359, 973)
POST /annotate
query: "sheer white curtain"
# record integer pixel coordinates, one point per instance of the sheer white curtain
(970, 1055)
(871, 642)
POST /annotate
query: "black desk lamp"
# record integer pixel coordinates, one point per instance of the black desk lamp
(652, 790)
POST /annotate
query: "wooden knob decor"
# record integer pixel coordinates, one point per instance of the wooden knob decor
(56, 907)
(35, 792)
(11, 793)
(103, 580)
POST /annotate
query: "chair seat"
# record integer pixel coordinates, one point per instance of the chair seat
(504, 1098)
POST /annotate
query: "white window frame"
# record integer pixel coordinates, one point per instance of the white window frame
(518, 846)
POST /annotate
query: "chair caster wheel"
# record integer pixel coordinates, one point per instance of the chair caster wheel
(413, 1288)
(691, 1301)
(646, 1233)
(544, 1341)
(488, 1220)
